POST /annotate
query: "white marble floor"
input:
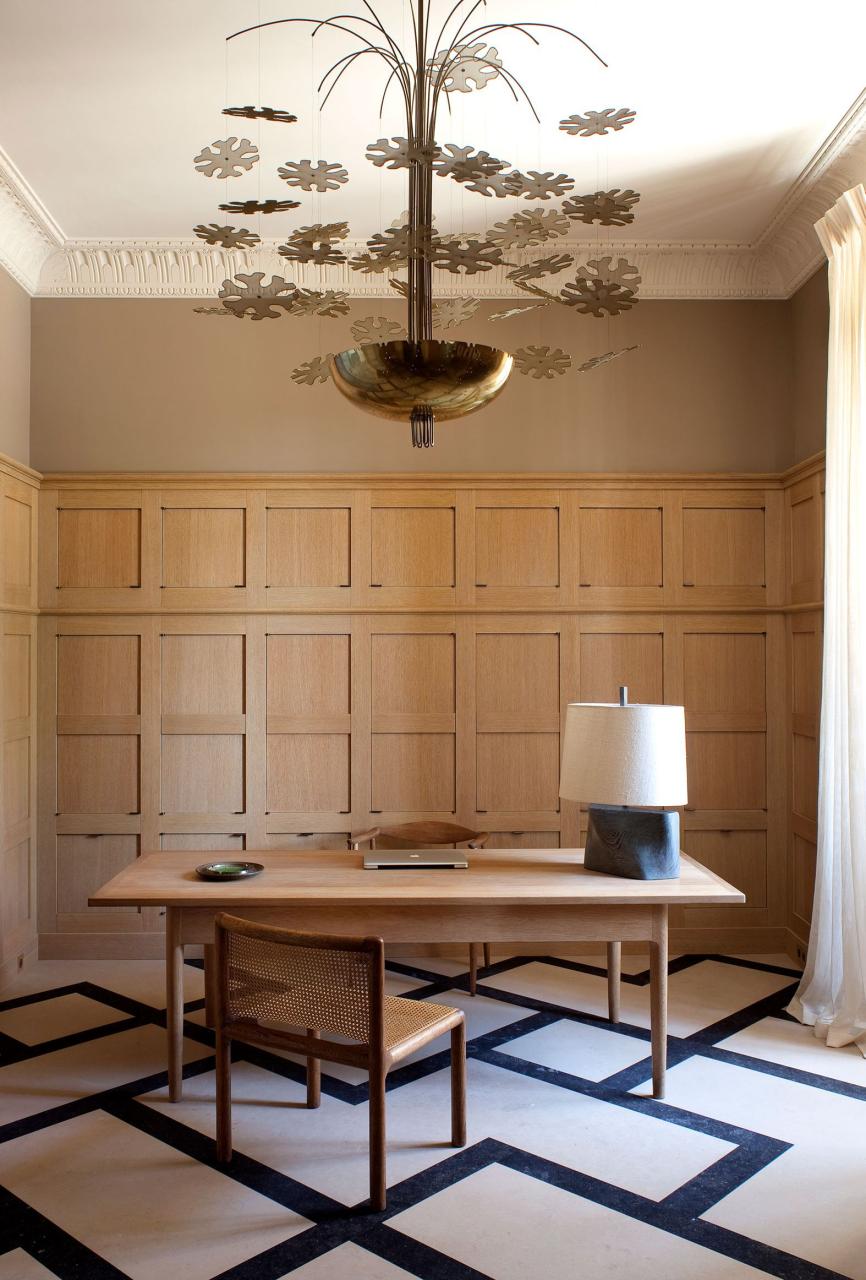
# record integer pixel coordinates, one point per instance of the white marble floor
(754, 1165)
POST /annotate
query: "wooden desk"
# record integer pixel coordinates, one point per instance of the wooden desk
(506, 896)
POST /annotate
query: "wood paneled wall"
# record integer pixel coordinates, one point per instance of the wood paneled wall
(254, 662)
(18, 526)
(804, 507)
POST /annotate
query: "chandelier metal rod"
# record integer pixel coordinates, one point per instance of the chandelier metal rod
(396, 59)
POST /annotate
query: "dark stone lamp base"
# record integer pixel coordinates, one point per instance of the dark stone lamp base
(639, 844)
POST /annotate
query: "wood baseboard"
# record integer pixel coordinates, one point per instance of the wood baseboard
(10, 968)
(101, 946)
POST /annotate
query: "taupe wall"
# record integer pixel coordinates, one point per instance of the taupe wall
(14, 369)
(149, 385)
(810, 318)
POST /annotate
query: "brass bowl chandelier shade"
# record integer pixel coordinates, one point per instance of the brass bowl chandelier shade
(415, 381)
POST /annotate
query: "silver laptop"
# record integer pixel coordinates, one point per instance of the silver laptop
(420, 859)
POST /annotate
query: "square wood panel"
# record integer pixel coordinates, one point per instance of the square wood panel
(620, 547)
(517, 675)
(740, 857)
(412, 547)
(804, 860)
(723, 547)
(16, 783)
(523, 840)
(611, 659)
(413, 674)
(518, 772)
(724, 672)
(308, 547)
(517, 546)
(202, 675)
(202, 773)
(805, 673)
(413, 772)
(97, 773)
(208, 843)
(309, 675)
(97, 675)
(203, 547)
(336, 840)
(804, 800)
(99, 547)
(727, 770)
(85, 863)
(15, 529)
(805, 548)
(16, 906)
(15, 697)
(308, 773)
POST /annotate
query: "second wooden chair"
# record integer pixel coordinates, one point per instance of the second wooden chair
(430, 835)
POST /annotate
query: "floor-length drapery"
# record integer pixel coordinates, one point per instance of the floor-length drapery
(832, 995)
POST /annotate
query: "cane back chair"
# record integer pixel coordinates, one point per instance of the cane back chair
(427, 835)
(285, 990)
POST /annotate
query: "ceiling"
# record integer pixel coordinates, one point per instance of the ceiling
(104, 103)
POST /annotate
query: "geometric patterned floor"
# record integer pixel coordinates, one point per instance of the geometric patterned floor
(754, 1164)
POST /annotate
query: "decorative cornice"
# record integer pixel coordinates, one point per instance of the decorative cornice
(789, 244)
(187, 269)
(35, 251)
(28, 233)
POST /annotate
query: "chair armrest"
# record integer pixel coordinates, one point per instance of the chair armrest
(363, 837)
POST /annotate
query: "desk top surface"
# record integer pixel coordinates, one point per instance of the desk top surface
(505, 877)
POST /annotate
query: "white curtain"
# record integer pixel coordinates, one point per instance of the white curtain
(832, 995)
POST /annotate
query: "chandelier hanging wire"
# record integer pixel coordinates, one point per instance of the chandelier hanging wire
(422, 379)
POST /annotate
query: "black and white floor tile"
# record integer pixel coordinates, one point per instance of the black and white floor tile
(754, 1165)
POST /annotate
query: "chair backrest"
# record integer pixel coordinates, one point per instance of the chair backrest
(322, 981)
(421, 835)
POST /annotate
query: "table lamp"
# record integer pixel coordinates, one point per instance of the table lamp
(619, 756)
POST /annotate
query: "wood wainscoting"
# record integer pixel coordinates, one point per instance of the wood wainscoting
(19, 489)
(233, 662)
(804, 505)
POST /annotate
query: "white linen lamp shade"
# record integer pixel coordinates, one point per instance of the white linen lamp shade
(630, 755)
(618, 758)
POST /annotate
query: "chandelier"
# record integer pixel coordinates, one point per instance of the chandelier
(422, 378)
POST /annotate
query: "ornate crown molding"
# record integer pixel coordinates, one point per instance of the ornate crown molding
(28, 233)
(789, 243)
(35, 251)
(187, 269)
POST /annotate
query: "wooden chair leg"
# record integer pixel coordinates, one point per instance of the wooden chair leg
(314, 1075)
(487, 957)
(210, 985)
(473, 967)
(458, 1085)
(614, 972)
(378, 1195)
(224, 1097)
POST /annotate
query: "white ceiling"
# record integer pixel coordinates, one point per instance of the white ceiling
(104, 103)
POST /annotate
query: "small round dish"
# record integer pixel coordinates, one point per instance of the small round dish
(228, 870)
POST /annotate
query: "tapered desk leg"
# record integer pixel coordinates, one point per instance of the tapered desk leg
(614, 979)
(659, 998)
(174, 1002)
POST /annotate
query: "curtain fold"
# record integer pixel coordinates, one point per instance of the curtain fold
(832, 994)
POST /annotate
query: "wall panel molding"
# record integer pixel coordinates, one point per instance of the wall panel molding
(290, 719)
(423, 638)
(19, 492)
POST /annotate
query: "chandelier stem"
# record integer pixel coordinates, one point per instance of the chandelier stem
(421, 194)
